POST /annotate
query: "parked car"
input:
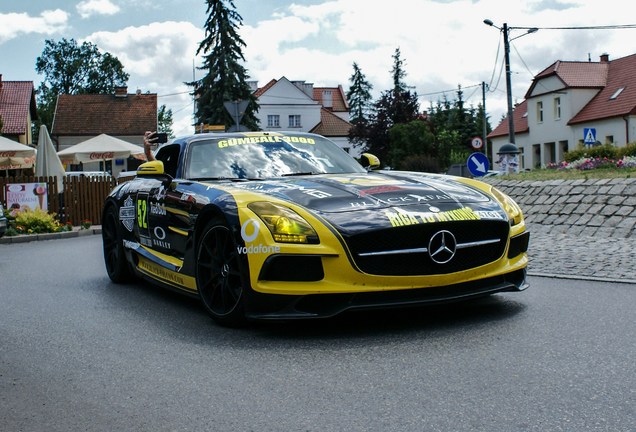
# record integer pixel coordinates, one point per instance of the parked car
(88, 174)
(265, 225)
(3, 221)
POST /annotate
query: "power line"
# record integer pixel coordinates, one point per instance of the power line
(446, 91)
(603, 27)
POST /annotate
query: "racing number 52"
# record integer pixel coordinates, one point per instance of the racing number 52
(142, 212)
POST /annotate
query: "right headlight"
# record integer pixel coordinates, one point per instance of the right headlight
(285, 225)
(509, 205)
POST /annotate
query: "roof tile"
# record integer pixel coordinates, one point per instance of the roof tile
(96, 114)
(17, 100)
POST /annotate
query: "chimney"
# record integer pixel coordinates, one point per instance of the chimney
(605, 58)
(0, 81)
(327, 99)
(121, 92)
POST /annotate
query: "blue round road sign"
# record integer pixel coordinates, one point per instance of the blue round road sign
(478, 164)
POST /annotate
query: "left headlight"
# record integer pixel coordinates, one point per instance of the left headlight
(286, 225)
(509, 205)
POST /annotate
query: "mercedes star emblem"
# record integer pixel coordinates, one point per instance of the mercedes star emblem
(442, 247)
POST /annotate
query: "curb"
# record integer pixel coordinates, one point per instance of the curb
(582, 278)
(26, 238)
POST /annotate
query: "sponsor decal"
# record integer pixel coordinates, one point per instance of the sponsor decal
(252, 225)
(146, 241)
(379, 190)
(156, 209)
(399, 217)
(362, 204)
(127, 214)
(264, 139)
(316, 193)
(130, 244)
(405, 199)
(162, 273)
(368, 181)
(489, 214)
(159, 239)
(249, 232)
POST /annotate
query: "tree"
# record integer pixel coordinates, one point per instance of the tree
(359, 96)
(396, 106)
(226, 78)
(454, 126)
(411, 140)
(164, 121)
(70, 68)
(398, 72)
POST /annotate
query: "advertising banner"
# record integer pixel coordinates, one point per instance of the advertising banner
(22, 196)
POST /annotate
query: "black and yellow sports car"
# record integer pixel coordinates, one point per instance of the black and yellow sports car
(265, 225)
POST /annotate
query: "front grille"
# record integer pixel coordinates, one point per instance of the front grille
(484, 242)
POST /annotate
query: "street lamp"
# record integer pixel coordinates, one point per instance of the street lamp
(505, 31)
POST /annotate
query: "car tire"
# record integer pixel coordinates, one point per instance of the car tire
(117, 267)
(219, 275)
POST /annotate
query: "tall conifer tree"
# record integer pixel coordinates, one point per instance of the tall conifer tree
(359, 96)
(226, 78)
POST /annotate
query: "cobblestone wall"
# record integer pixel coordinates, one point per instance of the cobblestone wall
(593, 207)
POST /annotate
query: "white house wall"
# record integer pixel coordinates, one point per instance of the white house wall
(548, 140)
(547, 85)
(284, 99)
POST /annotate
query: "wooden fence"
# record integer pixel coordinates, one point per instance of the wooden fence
(80, 200)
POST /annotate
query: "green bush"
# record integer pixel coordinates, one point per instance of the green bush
(629, 150)
(605, 151)
(34, 222)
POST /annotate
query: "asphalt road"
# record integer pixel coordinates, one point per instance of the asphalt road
(79, 353)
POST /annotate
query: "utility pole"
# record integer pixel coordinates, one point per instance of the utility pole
(505, 31)
(511, 121)
(485, 120)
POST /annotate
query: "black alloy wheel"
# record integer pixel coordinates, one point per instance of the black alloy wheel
(114, 257)
(219, 275)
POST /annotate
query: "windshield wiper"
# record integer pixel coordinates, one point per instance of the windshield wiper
(301, 174)
(234, 179)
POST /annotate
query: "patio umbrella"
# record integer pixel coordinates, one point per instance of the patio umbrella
(101, 148)
(14, 155)
(47, 162)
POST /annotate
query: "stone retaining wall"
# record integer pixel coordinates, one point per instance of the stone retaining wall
(605, 207)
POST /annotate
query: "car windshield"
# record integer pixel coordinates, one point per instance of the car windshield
(266, 156)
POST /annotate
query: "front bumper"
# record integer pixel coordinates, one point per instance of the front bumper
(277, 307)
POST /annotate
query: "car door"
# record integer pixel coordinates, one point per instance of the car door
(160, 218)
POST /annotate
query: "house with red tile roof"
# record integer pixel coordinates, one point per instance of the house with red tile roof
(17, 110)
(121, 115)
(298, 105)
(572, 103)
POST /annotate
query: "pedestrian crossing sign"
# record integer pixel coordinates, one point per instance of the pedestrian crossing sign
(589, 135)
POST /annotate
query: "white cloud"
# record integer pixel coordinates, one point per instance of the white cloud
(443, 43)
(88, 8)
(13, 25)
(159, 58)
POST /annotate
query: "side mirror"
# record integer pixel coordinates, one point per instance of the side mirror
(369, 161)
(152, 168)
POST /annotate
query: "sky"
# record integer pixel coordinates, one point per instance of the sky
(443, 43)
